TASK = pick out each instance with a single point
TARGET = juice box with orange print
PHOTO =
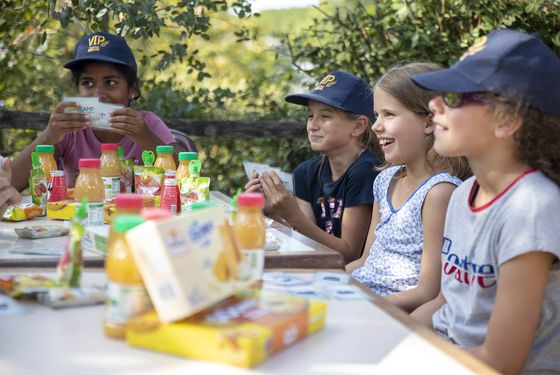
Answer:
(242, 330)
(188, 263)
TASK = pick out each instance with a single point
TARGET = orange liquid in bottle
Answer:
(165, 158)
(89, 184)
(46, 159)
(110, 169)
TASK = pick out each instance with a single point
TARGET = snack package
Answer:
(148, 179)
(25, 286)
(187, 262)
(59, 298)
(194, 188)
(242, 330)
(23, 211)
(69, 269)
(41, 231)
(127, 172)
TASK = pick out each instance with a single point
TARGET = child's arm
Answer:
(354, 222)
(517, 308)
(424, 313)
(8, 195)
(433, 220)
(59, 124)
(375, 217)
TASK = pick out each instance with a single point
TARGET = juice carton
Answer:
(188, 262)
(242, 330)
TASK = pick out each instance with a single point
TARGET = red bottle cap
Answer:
(130, 201)
(155, 214)
(109, 146)
(89, 163)
(251, 199)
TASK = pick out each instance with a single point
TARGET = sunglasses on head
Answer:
(457, 99)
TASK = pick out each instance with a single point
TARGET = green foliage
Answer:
(367, 37)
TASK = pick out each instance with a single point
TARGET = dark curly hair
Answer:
(126, 71)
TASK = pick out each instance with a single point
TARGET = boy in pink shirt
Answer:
(103, 67)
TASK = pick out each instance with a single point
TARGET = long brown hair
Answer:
(397, 83)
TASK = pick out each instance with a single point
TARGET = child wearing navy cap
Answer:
(500, 288)
(401, 257)
(103, 67)
(333, 191)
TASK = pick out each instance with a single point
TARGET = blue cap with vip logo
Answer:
(503, 62)
(340, 90)
(103, 47)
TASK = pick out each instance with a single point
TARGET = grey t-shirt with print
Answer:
(477, 241)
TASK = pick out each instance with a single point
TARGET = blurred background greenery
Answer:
(217, 59)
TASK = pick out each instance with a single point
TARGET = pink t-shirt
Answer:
(84, 144)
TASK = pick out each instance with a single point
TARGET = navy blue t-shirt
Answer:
(328, 198)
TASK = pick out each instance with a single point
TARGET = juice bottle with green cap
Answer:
(38, 184)
(126, 294)
(164, 158)
(183, 169)
(46, 158)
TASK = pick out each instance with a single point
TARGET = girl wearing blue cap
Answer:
(401, 257)
(333, 199)
(103, 67)
(500, 289)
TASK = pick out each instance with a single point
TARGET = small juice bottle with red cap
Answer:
(110, 169)
(57, 189)
(250, 234)
(90, 184)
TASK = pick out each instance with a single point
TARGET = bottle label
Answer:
(112, 186)
(95, 214)
(38, 187)
(125, 302)
(251, 265)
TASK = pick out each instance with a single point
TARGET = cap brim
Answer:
(446, 80)
(303, 99)
(73, 63)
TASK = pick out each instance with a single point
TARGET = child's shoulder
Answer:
(309, 166)
(537, 187)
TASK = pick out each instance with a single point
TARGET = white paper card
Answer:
(99, 112)
(259, 168)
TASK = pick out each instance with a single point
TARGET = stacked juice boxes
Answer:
(203, 308)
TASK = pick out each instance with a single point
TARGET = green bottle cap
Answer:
(194, 167)
(81, 211)
(202, 205)
(148, 157)
(44, 148)
(233, 201)
(35, 160)
(123, 223)
(120, 152)
(164, 149)
(188, 155)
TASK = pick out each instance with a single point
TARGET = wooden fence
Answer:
(198, 128)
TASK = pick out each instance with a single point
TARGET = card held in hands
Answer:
(99, 112)
(258, 168)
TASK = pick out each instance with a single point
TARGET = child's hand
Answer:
(254, 185)
(128, 122)
(61, 123)
(278, 199)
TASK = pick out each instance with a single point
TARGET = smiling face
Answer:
(401, 132)
(104, 80)
(328, 129)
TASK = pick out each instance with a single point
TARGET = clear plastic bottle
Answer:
(89, 184)
(38, 184)
(250, 234)
(46, 158)
(110, 169)
(126, 293)
(164, 158)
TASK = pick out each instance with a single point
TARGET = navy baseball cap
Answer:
(340, 90)
(103, 47)
(505, 61)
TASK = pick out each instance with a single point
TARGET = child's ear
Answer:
(133, 91)
(508, 127)
(360, 126)
(429, 126)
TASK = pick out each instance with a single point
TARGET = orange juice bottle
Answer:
(89, 184)
(165, 158)
(250, 233)
(110, 169)
(126, 294)
(183, 169)
(46, 158)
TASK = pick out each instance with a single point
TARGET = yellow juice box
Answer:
(242, 330)
(188, 263)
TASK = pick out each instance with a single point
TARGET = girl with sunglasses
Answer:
(500, 287)
(401, 257)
